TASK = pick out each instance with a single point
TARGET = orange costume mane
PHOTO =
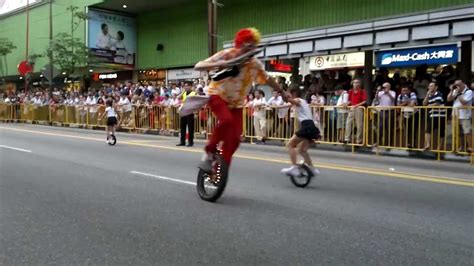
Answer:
(247, 35)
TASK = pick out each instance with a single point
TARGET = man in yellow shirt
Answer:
(227, 95)
(187, 121)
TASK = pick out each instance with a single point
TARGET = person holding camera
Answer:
(437, 116)
(462, 97)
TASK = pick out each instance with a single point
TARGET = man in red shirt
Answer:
(357, 99)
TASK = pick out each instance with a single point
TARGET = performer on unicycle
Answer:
(227, 95)
(301, 139)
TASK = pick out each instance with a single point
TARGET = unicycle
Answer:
(210, 186)
(112, 140)
(304, 178)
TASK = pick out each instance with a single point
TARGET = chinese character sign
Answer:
(432, 55)
(337, 61)
(112, 38)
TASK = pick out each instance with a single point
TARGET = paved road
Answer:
(68, 198)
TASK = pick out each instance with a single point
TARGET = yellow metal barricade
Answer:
(159, 118)
(203, 121)
(26, 112)
(332, 122)
(422, 128)
(4, 112)
(14, 111)
(275, 124)
(70, 114)
(438, 129)
(462, 131)
(173, 119)
(9, 111)
(41, 113)
(100, 112)
(81, 114)
(126, 117)
(148, 117)
(249, 128)
(58, 113)
(354, 126)
(93, 115)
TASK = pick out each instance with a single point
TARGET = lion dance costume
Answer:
(227, 96)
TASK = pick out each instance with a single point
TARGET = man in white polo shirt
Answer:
(386, 99)
(126, 109)
(462, 97)
(91, 103)
(259, 118)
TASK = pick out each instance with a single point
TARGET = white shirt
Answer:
(318, 100)
(292, 112)
(275, 101)
(91, 101)
(176, 91)
(119, 44)
(283, 111)
(259, 107)
(464, 111)
(343, 99)
(385, 100)
(110, 111)
(303, 111)
(125, 103)
(103, 41)
(174, 102)
(166, 103)
(37, 101)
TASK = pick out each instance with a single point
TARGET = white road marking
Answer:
(164, 178)
(13, 148)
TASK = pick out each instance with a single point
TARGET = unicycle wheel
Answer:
(304, 178)
(112, 140)
(210, 186)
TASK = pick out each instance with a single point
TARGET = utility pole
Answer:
(212, 26)
(27, 75)
(50, 42)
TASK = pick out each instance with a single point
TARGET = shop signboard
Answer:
(182, 74)
(121, 75)
(112, 39)
(337, 61)
(431, 55)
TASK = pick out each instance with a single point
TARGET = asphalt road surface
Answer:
(67, 198)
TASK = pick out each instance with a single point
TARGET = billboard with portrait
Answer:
(112, 38)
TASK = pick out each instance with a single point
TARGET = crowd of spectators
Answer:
(271, 116)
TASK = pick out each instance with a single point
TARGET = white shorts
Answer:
(465, 125)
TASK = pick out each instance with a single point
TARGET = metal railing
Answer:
(438, 129)
(416, 128)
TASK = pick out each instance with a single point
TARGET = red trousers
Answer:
(228, 128)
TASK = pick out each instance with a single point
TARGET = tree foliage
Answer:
(6, 46)
(68, 52)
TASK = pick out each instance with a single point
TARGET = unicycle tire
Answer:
(112, 140)
(211, 186)
(304, 178)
